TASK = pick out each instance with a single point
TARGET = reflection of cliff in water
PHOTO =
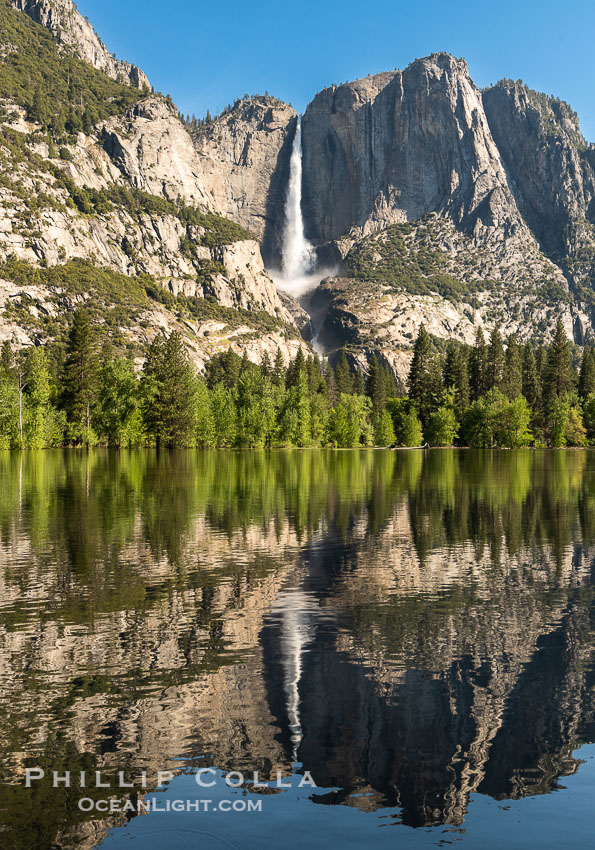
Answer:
(416, 626)
(498, 707)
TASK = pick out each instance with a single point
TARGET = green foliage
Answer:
(589, 418)
(425, 378)
(168, 393)
(85, 397)
(115, 299)
(384, 432)
(349, 422)
(442, 427)
(80, 378)
(118, 419)
(388, 258)
(217, 230)
(412, 429)
(493, 420)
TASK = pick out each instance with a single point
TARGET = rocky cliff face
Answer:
(493, 193)
(244, 157)
(74, 32)
(395, 146)
(153, 151)
(552, 170)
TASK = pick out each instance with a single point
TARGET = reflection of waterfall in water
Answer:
(298, 274)
(297, 613)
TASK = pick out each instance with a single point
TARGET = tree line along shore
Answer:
(489, 394)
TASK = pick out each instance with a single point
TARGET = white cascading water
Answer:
(298, 256)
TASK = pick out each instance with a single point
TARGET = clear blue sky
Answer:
(208, 53)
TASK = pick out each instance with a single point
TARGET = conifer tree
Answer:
(477, 367)
(296, 368)
(586, 381)
(343, 379)
(495, 361)
(559, 380)
(425, 379)
(358, 383)
(168, 390)
(278, 374)
(265, 364)
(376, 386)
(531, 382)
(6, 359)
(456, 377)
(80, 377)
(512, 381)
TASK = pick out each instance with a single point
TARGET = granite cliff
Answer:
(435, 202)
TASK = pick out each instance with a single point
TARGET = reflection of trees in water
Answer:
(434, 663)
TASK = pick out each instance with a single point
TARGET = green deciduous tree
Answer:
(384, 432)
(118, 419)
(349, 424)
(44, 426)
(442, 427)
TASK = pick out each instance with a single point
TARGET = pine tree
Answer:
(278, 374)
(512, 382)
(315, 378)
(168, 391)
(495, 361)
(477, 367)
(559, 379)
(343, 379)
(223, 368)
(359, 384)
(376, 386)
(296, 369)
(331, 384)
(80, 377)
(425, 379)
(586, 381)
(6, 359)
(531, 381)
(265, 364)
(456, 377)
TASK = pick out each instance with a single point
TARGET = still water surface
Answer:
(411, 631)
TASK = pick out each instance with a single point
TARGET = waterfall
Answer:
(298, 257)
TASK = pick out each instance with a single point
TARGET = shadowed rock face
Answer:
(395, 146)
(64, 21)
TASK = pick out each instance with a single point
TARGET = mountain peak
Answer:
(73, 31)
